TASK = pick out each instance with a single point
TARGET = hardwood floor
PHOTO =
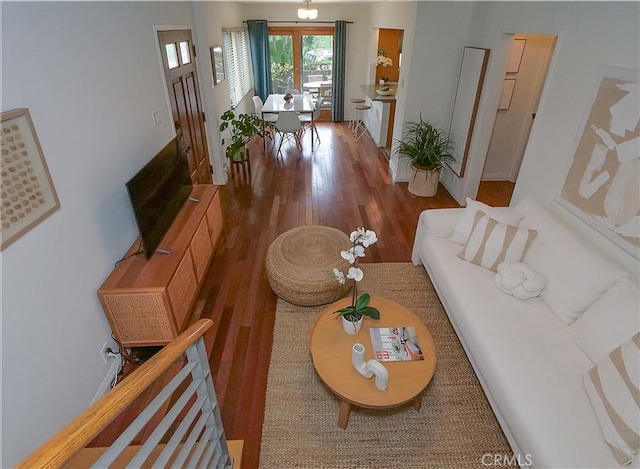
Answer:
(495, 193)
(344, 184)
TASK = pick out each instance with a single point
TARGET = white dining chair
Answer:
(288, 127)
(268, 118)
(326, 95)
(308, 122)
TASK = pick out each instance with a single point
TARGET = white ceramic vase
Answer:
(351, 327)
(370, 368)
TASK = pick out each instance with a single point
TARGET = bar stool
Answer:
(360, 114)
(354, 102)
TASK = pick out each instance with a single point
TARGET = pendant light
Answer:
(307, 13)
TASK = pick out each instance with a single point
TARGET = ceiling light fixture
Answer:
(307, 13)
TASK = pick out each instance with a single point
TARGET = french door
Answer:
(302, 58)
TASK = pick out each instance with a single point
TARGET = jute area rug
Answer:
(454, 429)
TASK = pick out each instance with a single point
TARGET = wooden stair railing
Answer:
(189, 435)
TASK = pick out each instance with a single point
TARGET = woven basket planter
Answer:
(423, 183)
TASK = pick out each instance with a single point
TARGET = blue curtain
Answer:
(339, 70)
(260, 59)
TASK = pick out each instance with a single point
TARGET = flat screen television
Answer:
(157, 193)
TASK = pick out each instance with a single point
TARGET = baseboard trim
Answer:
(497, 177)
(109, 379)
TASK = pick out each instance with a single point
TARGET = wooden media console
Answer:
(148, 301)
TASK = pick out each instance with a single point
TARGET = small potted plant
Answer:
(353, 314)
(428, 148)
(242, 128)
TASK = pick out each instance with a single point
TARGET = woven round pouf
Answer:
(300, 265)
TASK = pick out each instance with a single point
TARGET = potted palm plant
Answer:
(428, 148)
(242, 128)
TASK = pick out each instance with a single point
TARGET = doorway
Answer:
(390, 46)
(181, 76)
(524, 81)
(302, 58)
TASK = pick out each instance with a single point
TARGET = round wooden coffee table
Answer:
(331, 353)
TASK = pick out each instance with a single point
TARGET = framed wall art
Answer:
(27, 192)
(602, 186)
(506, 94)
(217, 63)
(515, 56)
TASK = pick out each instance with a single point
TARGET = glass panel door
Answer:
(302, 58)
(317, 65)
(281, 51)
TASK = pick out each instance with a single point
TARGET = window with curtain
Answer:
(236, 44)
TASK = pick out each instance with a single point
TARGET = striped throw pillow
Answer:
(492, 242)
(613, 387)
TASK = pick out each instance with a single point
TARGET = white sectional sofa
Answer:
(531, 355)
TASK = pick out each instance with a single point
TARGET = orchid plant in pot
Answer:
(353, 314)
(384, 62)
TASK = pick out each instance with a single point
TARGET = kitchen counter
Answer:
(380, 117)
(370, 91)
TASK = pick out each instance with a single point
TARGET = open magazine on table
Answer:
(394, 344)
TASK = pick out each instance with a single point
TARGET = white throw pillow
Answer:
(463, 227)
(519, 280)
(492, 242)
(612, 386)
(609, 321)
(577, 275)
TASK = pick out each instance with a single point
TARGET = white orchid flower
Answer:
(357, 235)
(348, 256)
(357, 251)
(351, 254)
(355, 274)
(369, 238)
(339, 275)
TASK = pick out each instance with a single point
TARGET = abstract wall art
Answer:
(602, 186)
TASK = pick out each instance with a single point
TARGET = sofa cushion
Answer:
(612, 387)
(492, 242)
(463, 227)
(530, 367)
(610, 321)
(577, 275)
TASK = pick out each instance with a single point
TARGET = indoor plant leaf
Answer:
(363, 301)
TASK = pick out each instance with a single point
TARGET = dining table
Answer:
(300, 103)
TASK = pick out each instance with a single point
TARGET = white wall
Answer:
(396, 16)
(90, 75)
(210, 18)
(433, 67)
